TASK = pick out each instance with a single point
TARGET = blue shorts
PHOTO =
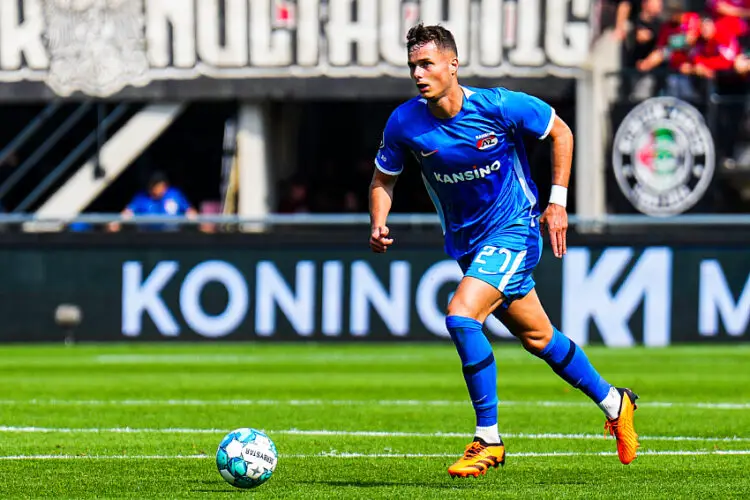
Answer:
(506, 260)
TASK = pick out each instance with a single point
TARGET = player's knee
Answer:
(458, 307)
(535, 341)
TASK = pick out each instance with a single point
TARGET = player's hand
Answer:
(379, 240)
(556, 220)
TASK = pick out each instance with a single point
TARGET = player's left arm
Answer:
(530, 115)
(555, 216)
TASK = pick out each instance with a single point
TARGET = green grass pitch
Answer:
(361, 421)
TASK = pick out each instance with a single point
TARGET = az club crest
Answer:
(487, 141)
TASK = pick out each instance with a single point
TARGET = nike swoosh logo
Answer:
(485, 272)
(425, 155)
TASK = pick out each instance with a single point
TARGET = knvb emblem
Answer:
(663, 156)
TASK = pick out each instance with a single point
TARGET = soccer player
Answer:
(469, 144)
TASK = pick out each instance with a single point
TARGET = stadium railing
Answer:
(359, 219)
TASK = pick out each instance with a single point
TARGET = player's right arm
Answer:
(388, 165)
(381, 200)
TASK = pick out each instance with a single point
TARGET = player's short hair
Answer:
(420, 35)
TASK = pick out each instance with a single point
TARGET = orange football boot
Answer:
(478, 457)
(622, 427)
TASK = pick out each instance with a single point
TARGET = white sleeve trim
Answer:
(549, 125)
(387, 172)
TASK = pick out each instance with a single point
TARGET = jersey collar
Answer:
(467, 95)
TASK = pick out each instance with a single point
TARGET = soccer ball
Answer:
(246, 458)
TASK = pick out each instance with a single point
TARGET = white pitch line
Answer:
(346, 402)
(377, 455)
(325, 432)
(319, 357)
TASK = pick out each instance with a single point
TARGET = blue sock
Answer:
(480, 371)
(569, 362)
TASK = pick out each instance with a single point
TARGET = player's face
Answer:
(433, 70)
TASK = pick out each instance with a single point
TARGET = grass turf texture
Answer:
(108, 410)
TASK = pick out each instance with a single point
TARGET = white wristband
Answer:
(558, 195)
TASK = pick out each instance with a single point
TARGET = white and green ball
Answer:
(246, 458)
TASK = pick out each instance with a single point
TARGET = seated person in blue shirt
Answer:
(159, 199)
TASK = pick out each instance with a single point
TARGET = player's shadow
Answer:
(380, 484)
(215, 490)
(211, 486)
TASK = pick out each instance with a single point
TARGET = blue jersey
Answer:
(474, 164)
(172, 203)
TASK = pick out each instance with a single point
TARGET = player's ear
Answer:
(454, 66)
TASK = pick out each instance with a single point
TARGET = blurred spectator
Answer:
(640, 43)
(356, 200)
(731, 15)
(340, 186)
(646, 28)
(159, 199)
(80, 227)
(716, 51)
(628, 12)
(639, 29)
(327, 186)
(742, 64)
(352, 203)
(674, 46)
(9, 164)
(210, 207)
(294, 197)
(364, 171)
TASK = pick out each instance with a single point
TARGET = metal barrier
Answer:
(360, 219)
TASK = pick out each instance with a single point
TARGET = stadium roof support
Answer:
(595, 93)
(253, 162)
